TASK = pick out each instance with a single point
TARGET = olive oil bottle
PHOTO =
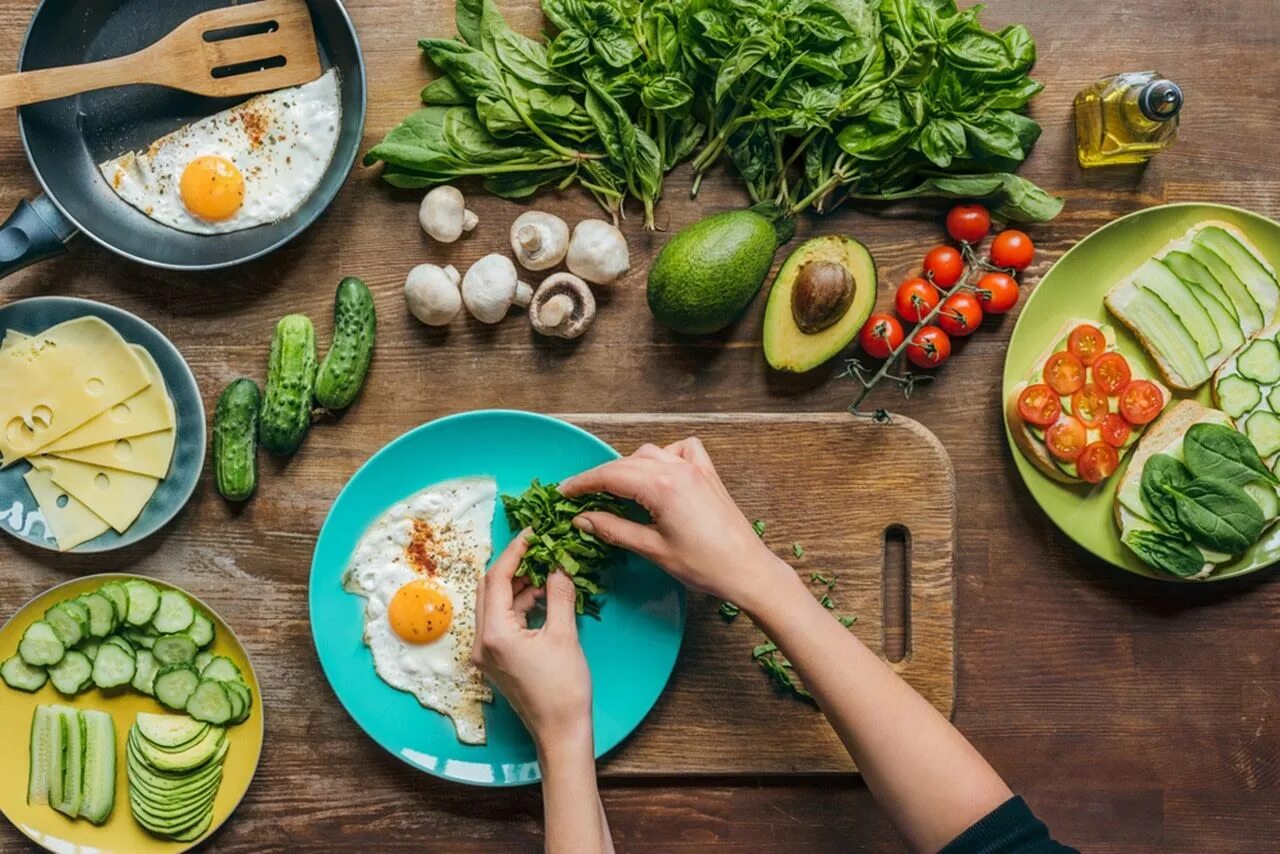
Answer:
(1126, 118)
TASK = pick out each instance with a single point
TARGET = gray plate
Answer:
(19, 515)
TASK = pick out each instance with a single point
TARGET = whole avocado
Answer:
(707, 275)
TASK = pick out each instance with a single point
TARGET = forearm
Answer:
(932, 783)
(575, 819)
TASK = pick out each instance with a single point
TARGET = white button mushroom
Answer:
(444, 214)
(562, 307)
(432, 294)
(598, 252)
(490, 288)
(539, 240)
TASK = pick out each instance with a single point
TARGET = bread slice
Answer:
(1028, 443)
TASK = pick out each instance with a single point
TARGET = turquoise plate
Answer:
(19, 514)
(631, 649)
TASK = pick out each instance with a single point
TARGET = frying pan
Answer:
(67, 138)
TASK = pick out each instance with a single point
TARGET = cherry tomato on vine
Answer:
(929, 347)
(1012, 249)
(998, 292)
(881, 335)
(1087, 343)
(943, 266)
(1039, 405)
(1111, 372)
(1140, 402)
(960, 315)
(1064, 372)
(968, 223)
(1115, 430)
(915, 299)
(1066, 438)
(1097, 462)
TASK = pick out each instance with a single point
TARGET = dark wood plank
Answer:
(1136, 716)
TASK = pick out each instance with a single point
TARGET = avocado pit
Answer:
(822, 294)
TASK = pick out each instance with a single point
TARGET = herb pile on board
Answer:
(815, 102)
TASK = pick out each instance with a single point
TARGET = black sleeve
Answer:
(1009, 828)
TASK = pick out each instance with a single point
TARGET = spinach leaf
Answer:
(1161, 475)
(1218, 451)
(1218, 515)
(444, 92)
(467, 14)
(471, 70)
(1166, 552)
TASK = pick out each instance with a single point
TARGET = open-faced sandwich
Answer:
(1197, 301)
(1196, 494)
(1082, 406)
(1247, 387)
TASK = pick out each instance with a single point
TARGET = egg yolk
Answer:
(212, 188)
(420, 612)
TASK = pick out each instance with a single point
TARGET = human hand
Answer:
(542, 672)
(698, 533)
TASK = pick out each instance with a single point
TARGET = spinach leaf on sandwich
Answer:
(1161, 475)
(1167, 552)
(1217, 451)
(1218, 515)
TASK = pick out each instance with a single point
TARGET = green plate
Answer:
(1074, 288)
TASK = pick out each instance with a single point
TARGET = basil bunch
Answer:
(815, 102)
(1200, 503)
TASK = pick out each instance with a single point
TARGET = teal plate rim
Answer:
(342, 648)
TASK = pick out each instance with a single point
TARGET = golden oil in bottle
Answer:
(1126, 118)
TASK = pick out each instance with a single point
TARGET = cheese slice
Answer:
(68, 520)
(116, 496)
(54, 382)
(13, 336)
(147, 411)
(148, 454)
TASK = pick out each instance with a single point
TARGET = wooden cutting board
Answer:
(872, 505)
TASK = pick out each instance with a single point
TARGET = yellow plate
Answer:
(121, 833)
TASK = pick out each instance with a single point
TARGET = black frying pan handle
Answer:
(36, 230)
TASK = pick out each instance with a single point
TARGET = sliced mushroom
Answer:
(491, 287)
(562, 307)
(539, 240)
(821, 295)
(598, 252)
(432, 294)
(444, 214)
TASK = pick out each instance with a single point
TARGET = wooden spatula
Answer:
(252, 47)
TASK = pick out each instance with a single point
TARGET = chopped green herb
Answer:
(779, 670)
(826, 602)
(758, 527)
(797, 550)
(556, 543)
(819, 578)
(847, 621)
(729, 611)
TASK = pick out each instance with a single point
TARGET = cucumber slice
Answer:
(113, 666)
(174, 614)
(174, 649)
(223, 669)
(119, 596)
(169, 731)
(46, 741)
(73, 674)
(120, 644)
(1260, 361)
(181, 761)
(1265, 494)
(66, 622)
(1237, 395)
(144, 675)
(22, 676)
(102, 615)
(1262, 428)
(202, 661)
(40, 645)
(210, 703)
(99, 786)
(245, 696)
(1273, 400)
(139, 640)
(66, 788)
(144, 600)
(201, 630)
(175, 684)
(90, 647)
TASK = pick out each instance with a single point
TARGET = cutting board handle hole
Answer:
(896, 620)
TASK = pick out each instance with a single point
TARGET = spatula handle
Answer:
(46, 84)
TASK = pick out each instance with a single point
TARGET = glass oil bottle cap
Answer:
(1160, 100)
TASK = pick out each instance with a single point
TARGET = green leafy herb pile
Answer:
(1202, 501)
(556, 543)
(815, 101)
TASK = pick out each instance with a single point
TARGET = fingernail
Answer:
(584, 524)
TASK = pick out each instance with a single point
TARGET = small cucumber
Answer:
(235, 440)
(344, 367)
(291, 377)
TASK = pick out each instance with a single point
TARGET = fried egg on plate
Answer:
(417, 567)
(252, 164)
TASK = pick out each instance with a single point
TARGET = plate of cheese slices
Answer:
(102, 429)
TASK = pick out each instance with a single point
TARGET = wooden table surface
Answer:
(1133, 715)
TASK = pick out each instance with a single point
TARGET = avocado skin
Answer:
(708, 273)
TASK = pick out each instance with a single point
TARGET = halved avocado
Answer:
(822, 296)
